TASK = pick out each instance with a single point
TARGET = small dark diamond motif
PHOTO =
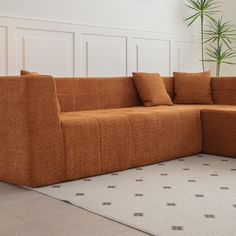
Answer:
(177, 228)
(139, 180)
(214, 174)
(161, 164)
(186, 169)
(234, 205)
(106, 203)
(191, 181)
(205, 164)
(87, 180)
(166, 187)
(224, 188)
(224, 160)
(140, 168)
(114, 174)
(138, 195)
(181, 160)
(138, 214)
(111, 186)
(210, 216)
(170, 204)
(79, 194)
(164, 174)
(56, 186)
(233, 169)
(199, 195)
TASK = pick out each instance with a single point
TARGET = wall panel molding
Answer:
(4, 50)
(70, 49)
(152, 54)
(103, 55)
(50, 52)
(186, 52)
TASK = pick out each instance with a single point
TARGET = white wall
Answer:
(228, 10)
(159, 15)
(98, 37)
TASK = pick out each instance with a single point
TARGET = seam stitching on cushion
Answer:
(73, 82)
(132, 146)
(29, 146)
(65, 149)
(110, 92)
(156, 125)
(202, 128)
(100, 142)
(221, 90)
(99, 87)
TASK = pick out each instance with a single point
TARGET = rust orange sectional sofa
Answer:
(102, 127)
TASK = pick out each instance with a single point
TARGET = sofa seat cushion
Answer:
(95, 144)
(208, 107)
(148, 109)
(117, 139)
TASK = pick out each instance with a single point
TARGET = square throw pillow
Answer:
(192, 88)
(151, 89)
(25, 72)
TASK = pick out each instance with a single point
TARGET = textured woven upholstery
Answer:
(78, 94)
(123, 138)
(102, 127)
(31, 140)
(192, 88)
(219, 132)
(224, 90)
(151, 89)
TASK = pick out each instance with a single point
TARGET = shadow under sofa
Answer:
(102, 127)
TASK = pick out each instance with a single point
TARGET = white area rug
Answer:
(192, 196)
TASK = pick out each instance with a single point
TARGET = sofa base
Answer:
(127, 138)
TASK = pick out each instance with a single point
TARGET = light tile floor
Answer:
(26, 213)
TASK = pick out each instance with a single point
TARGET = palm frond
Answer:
(218, 30)
(220, 55)
(202, 8)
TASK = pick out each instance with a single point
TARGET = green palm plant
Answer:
(219, 30)
(219, 55)
(222, 35)
(201, 9)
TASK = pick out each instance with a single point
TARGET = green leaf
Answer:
(201, 8)
(221, 32)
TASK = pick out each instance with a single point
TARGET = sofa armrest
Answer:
(31, 140)
(224, 90)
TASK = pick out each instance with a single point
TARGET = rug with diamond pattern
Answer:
(191, 196)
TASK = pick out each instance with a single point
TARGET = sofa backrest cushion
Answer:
(78, 94)
(151, 89)
(192, 88)
(84, 93)
(224, 90)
